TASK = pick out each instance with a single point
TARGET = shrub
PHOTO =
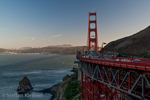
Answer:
(72, 89)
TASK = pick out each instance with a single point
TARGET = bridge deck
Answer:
(143, 66)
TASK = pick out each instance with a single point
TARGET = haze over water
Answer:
(42, 70)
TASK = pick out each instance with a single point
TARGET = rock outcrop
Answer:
(66, 77)
(24, 85)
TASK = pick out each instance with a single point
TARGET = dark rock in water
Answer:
(66, 77)
(24, 85)
(45, 90)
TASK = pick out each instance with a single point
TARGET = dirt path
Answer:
(61, 91)
(76, 97)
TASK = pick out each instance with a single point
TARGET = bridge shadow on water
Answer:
(5, 67)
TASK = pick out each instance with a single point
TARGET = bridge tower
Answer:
(92, 32)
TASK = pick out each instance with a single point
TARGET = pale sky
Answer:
(39, 23)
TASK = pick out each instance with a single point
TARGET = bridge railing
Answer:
(141, 59)
(123, 64)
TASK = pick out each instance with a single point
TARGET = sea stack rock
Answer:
(24, 85)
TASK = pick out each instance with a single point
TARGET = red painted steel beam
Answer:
(82, 83)
(93, 13)
(129, 81)
(92, 21)
(119, 78)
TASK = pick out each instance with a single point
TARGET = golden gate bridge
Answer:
(111, 78)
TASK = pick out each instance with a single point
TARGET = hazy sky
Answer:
(38, 23)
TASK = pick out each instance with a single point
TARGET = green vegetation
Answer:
(73, 88)
(121, 55)
(112, 43)
(144, 55)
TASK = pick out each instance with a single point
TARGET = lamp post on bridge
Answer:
(106, 51)
(131, 51)
(102, 49)
(77, 50)
(113, 52)
(83, 49)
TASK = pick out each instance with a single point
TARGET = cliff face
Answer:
(140, 42)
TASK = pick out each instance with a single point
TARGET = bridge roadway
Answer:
(143, 65)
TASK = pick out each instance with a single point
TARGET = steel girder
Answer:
(109, 83)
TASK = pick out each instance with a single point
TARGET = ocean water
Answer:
(43, 71)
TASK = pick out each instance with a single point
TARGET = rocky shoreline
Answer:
(54, 90)
(50, 90)
(58, 89)
(54, 93)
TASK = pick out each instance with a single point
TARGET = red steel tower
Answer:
(92, 32)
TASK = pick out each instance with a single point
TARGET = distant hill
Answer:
(25, 48)
(65, 49)
(65, 45)
(140, 42)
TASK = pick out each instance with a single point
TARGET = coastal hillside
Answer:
(140, 43)
(69, 89)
